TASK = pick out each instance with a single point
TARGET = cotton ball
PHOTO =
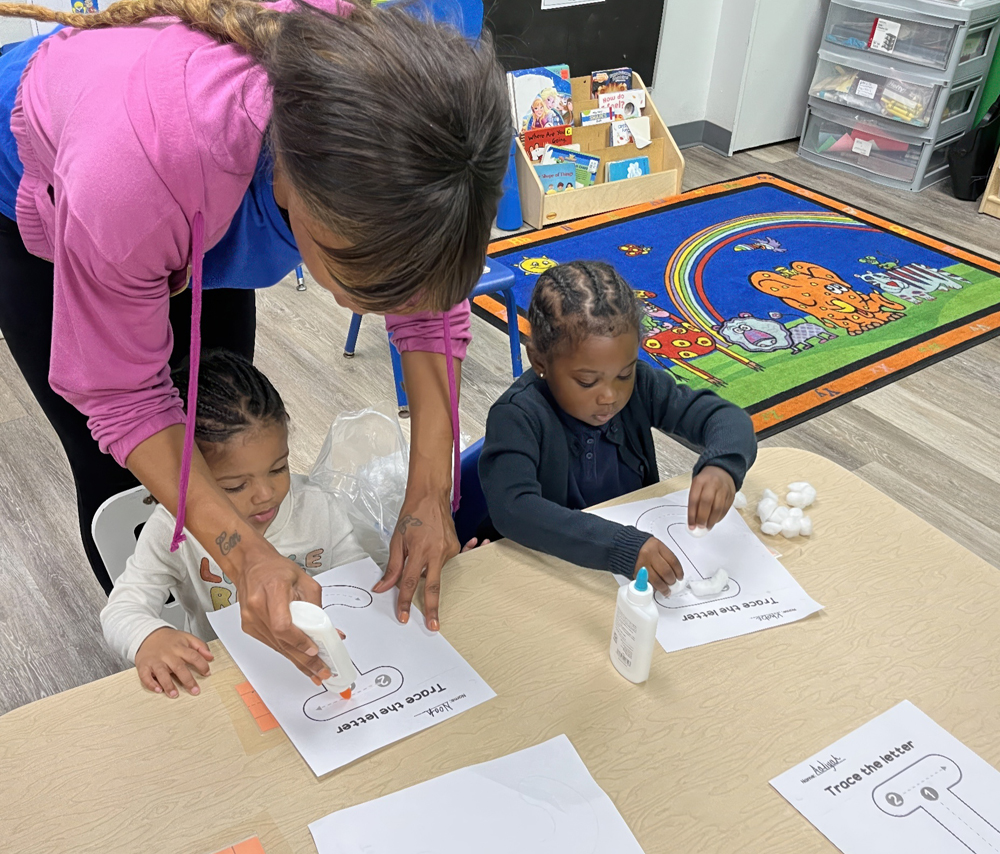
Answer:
(740, 501)
(795, 513)
(710, 586)
(806, 527)
(698, 532)
(767, 493)
(679, 586)
(798, 486)
(770, 528)
(791, 527)
(766, 507)
(780, 515)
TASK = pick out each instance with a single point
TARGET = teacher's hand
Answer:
(265, 587)
(424, 540)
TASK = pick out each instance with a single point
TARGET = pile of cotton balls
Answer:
(787, 521)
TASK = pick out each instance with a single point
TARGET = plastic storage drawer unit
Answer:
(857, 142)
(882, 90)
(904, 34)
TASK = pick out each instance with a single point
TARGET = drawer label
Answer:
(866, 89)
(884, 35)
(862, 146)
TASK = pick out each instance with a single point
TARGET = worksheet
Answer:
(410, 678)
(899, 783)
(541, 800)
(761, 593)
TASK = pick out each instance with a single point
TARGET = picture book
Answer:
(541, 97)
(632, 130)
(557, 177)
(634, 167)
(623, 105)
(596, 116)
(612, 80)
(535, 140)
(586, 165)
(554, 151)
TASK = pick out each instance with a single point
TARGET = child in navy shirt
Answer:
(576, 430)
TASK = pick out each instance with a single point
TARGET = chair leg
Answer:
(352, 337)
(397, 376)
(300, 279)
(513, 332)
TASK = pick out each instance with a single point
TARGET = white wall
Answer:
(685, 59)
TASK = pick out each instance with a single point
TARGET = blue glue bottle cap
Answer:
(642, 580)
(640, 591)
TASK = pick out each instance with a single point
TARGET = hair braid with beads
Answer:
(578, 300)
(233, 397)
(393, 130)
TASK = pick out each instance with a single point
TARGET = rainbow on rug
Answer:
(782, 300)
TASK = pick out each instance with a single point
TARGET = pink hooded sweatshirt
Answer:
(138, 145)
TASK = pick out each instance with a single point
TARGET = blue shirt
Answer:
(597, 471)
(257, 250)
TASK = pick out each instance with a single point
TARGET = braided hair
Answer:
(393, 130)
(233, 397)
(579, 300)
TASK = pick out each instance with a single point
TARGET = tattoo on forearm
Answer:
(408, 521)
(227, 542)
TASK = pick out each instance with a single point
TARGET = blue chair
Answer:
(496, 278)
(472, 511)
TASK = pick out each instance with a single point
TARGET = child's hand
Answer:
(168, 654)
(711, 496)
(473, 543)
(661, 563)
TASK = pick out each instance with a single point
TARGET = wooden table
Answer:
(686, 757)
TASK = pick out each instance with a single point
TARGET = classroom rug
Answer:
(783, 300)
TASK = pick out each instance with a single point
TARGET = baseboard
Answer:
(710, 135)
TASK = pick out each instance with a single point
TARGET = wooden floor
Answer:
(930, 441)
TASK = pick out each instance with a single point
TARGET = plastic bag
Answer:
(364, 460)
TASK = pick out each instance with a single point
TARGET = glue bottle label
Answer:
(623, 638)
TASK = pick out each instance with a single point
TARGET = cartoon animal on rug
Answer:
(872, 261)
(536, 266)
(914, 282)
(758, 335)
(633, 250)
(814, 290)
(768, 243)
(667, 338)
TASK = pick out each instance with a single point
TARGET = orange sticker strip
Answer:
(247, 846)
(265, 722)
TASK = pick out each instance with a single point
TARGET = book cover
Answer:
(596, 116)
(623, 105)
(548, 157)
(611, 80)
(557, 177)
(541, 97)
(586, 165)
(536, 139)
(631, 130)
(634, 167)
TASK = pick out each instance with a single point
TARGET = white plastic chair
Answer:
(114, 532)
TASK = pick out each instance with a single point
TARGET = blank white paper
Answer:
(761, 593)
(410, 678)
(541, 800)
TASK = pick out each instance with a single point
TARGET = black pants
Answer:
(228, 321)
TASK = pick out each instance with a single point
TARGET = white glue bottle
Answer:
(634, 632)
(314, 622)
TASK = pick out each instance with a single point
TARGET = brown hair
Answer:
(578, 300)
(392, 129)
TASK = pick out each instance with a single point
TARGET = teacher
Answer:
(220, 143)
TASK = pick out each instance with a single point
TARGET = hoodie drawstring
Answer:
(197, 251)
(453, 396)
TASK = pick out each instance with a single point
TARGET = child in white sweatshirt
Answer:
(242, 431)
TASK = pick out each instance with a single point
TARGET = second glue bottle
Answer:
(634, 632)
